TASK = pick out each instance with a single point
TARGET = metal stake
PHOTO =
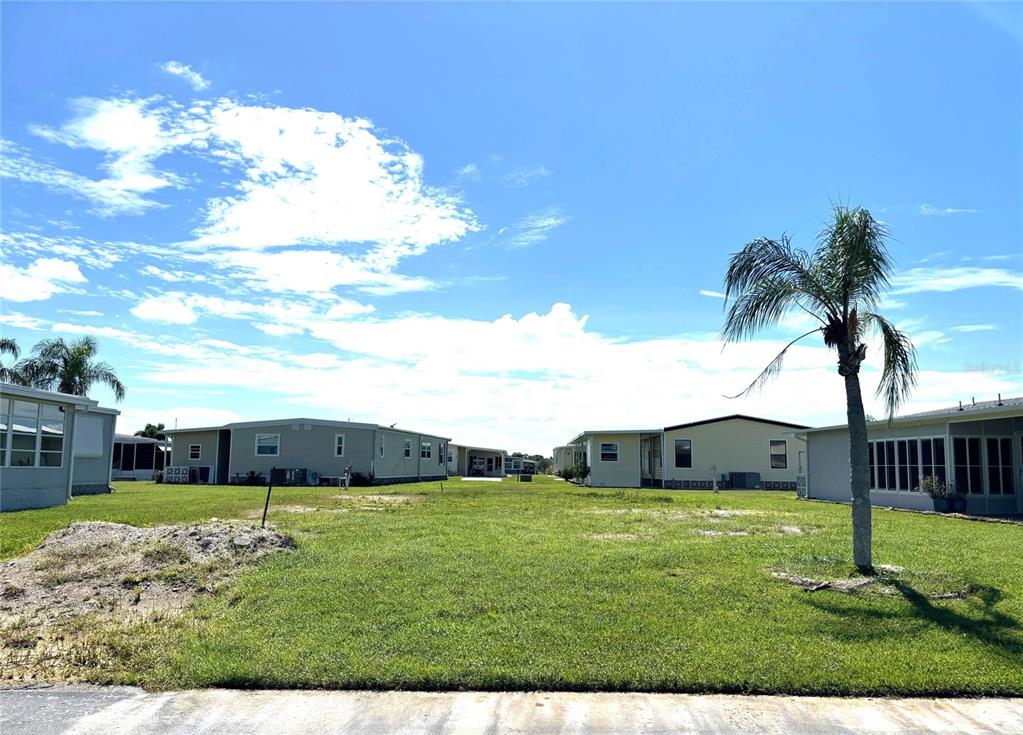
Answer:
(269, 487)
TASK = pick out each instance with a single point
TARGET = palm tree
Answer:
(10, 374)
(839, 285)
(152, 431)
(69, 368)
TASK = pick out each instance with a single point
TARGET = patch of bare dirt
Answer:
(386, 499)
(612, 536)
(95, 575)
(258, 512)
(714, 534)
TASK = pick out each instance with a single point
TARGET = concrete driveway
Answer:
(116, 710)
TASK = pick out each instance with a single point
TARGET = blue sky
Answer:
(502, 222)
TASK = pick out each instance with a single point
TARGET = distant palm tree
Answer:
(69, 368)
(10, 374)
(153, 431)
(840, 285)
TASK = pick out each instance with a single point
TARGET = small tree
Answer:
(10, 374)
(840, 286)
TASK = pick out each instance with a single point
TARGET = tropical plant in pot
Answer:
(938, 490)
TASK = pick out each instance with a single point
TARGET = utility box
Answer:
(525, 478)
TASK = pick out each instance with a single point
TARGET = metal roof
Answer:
(974, 410)
(736, 416)
(319, 422)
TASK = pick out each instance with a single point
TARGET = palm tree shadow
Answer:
(1002, 633)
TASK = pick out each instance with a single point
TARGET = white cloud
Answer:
(23, 321)
(107, 196)
(274, 317)
(931, 210)
(39, 280)
(711, 294)
(920, 280)
(525, 175)
(81, 312)
(975, 328)
(187, 73)
(469, 171)
(317, 177)
(535, 227)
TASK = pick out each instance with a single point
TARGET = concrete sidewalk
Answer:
(116, 710)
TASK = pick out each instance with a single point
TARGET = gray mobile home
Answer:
(975, 449)
(53, 446)
(308, 451)
(138, 457)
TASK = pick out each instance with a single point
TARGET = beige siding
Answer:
(207, 441)
(624, 472)
(736, 445)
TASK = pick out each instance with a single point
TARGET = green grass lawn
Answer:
(551, 586)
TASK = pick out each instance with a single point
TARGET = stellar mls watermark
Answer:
(1005, 366)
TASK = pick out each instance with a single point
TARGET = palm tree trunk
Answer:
(859, 474)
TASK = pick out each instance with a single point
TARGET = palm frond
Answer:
(760, 306)
(898, 377)
(857, 263)
(774, 367)
(9, 346)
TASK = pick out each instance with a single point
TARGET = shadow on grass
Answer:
(1002, 633)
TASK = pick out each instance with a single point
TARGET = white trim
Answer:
(407, 449)
(428, 446)
(381, 445)
(616, 452)
(344, 442)
(255, 445)
(674, 453)
(872, 460)
(190, 457)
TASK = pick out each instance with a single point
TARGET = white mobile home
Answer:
(477, 461)
(727, 452)
(307, 452)
(974, 449)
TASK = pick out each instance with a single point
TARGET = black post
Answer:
(269, 487)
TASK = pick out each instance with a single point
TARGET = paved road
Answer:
(116, 710)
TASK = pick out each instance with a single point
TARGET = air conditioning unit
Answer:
(745, 480)
(288, 476)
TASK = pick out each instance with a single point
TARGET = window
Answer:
(451, 458)
(268, 445)
(145, 456)
(194, 451)
(440, 453)
(380, 446)
(608, 452)
(408, 449)
(339, 445)
(425, 450)
(873, 466)
(779, 455)
(914, 465)
(51, 439)
(889, 451)
(5, 406)
(999, 466)
(24, 432)
(684, 453)
(128, 458)
(116, 461)
(966, 465)
(903, 457)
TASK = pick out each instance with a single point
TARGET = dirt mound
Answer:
(94, 574)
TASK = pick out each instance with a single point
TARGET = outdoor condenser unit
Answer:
(745, 480)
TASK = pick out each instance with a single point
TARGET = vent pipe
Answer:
(1000, 399)
(960, 405)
